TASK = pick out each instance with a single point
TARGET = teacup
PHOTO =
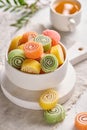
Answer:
(37, 81)
(65, 14)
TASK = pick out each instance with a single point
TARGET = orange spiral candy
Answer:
(27, 37)
(81, 121)
(33, 50)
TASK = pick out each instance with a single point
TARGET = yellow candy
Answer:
(31, 66)
(48, 99)
(21, 47)
(14, 43)
(58, 52)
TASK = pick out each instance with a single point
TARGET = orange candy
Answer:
(27, 37)
(53, 35)
(33, 50)
(81, 121)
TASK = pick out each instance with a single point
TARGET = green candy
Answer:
(55, 115)
(45, 41)
(49, 63)
(16, 58)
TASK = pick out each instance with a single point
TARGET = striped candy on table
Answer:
(55, 115)
(81, 121)
(48, 99)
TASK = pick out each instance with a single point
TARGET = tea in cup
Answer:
(65, 14)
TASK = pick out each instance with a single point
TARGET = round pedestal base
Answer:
(29, 99)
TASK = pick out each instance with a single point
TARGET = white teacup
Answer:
(65, 22)
(34, 81)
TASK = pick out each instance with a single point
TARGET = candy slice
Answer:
(45, 41)
(14, 43)
(16, 58)
(31, 66)
(49, 63)
(27, 37)
(58, 52)
(55, 115)
(48, 99)
(81, 121)
(33, 50)
(55, 36)
(21, 47)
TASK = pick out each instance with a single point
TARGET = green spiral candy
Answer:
(49, 63)
(45, 41)
(16, 58)
(55, 115)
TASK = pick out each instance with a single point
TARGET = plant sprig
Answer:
(22, 8)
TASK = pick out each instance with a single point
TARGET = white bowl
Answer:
(37, 81)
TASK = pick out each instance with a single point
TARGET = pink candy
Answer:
(55, 36)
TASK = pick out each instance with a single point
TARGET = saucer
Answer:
(29, 99)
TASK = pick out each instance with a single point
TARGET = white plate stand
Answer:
(29, 99)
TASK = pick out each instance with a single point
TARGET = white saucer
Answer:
(29, 99)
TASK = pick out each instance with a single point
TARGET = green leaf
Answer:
(24, 11)
(8, 2)
(2, 2)
(7, 8)
(13, 9)
(1, 6)
(22, 2)
(15, 2)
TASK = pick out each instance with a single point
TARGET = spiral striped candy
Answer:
(54, 35)
(27, 37)
(55, 115)
(33, 50)
(16, 58)
(49, 63)
(31, 66)
(48, 99)
(58, 52)
(81, 121)
(45, 41)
